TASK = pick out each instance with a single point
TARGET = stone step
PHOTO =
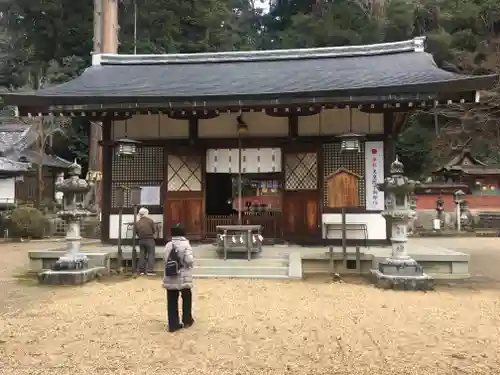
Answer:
(263, 277)
(248, 271)
(259, 262)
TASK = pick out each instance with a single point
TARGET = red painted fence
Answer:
(476, 202)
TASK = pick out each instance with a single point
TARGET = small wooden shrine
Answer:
(465, 169)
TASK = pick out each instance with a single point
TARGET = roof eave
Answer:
(423, 91)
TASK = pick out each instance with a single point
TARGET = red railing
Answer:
(270, 222)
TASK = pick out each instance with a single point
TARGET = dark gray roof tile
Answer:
(389, 69)
(11, 166)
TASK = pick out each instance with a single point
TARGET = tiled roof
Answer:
(338, 72)
(11, 166)
(16, 139)
(32, 156)
(15, 134)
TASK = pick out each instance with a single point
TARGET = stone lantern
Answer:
(72, 267)
(400, 271)
(73, 188)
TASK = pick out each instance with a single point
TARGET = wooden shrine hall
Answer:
(284, 139)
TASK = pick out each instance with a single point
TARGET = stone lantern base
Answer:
(401, 274)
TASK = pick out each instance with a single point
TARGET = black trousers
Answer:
(173, 307)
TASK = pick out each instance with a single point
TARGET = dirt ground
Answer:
(252, 327)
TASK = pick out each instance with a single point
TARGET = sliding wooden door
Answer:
(184, 196)
(300, 197)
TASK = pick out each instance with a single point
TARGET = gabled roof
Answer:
(343, 171)
(388, 69)
(16, 139)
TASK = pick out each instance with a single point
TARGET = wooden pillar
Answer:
(107, 163)
(389, 156)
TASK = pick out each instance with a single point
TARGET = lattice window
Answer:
(146, 165)
(184, 173)
(301, 171)
(145, 168)
(352, 161)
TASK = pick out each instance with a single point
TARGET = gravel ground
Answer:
(255, 327)
(252, 326)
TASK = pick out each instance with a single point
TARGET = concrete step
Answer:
(251, 271)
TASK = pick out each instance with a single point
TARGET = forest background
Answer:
(46, 42)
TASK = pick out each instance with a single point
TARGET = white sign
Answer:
(374, 174)
(253, 160)
(150, 195)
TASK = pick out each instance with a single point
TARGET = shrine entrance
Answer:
(184, 196)
(252, 197)
(300, 196)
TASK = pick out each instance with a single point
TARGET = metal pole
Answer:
(120, 251)
(134, 251)
(135, 27)
(344, 236)
(459, 228)
(240, 203)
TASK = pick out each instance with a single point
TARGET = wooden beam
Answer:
(389, 156)
(193, 129)
(107, 163)
(293, 126)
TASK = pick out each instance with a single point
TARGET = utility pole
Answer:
(109, 26)
(105, 41)
(95, 165)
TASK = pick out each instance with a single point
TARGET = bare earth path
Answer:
(254, 327)
(484, 254)
(16, 292)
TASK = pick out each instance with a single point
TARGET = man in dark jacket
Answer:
(145, 230)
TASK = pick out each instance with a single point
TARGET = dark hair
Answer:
(177, 230)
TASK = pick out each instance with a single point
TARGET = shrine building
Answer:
(310, 130)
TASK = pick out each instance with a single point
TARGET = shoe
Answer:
(142, 273)
(151, 274)
(187, 325)
(175, 329)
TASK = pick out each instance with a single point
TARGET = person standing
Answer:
(178, 279)
(145, 230)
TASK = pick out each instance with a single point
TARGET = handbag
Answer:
(172, 265)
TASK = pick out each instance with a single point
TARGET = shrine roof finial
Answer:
(397, 167)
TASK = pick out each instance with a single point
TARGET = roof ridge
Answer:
(412, 45)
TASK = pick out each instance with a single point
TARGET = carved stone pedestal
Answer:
(405, 275)
(399, 271)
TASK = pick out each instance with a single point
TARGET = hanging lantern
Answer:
(126, 147)
(351, 142)
(242, 126)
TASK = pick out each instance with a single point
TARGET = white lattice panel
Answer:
(301, 171)
(184, 173)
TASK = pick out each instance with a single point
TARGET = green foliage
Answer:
(414, 147)
(28, 222)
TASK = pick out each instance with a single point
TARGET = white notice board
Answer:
(150, 195)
